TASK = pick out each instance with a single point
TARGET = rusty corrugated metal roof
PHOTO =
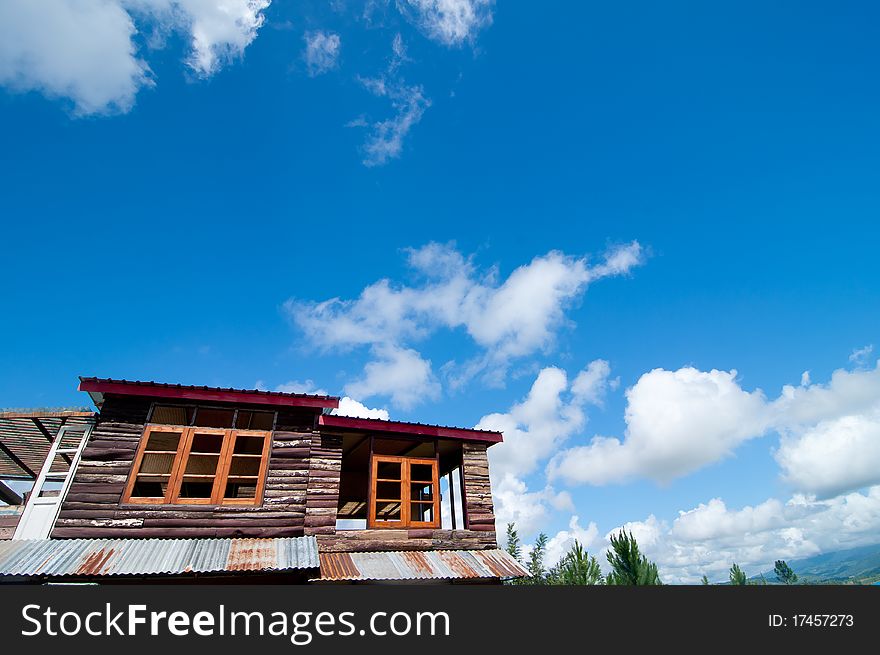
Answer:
(420, 565)
(102, 557)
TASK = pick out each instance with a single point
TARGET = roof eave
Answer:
(97, 389)
(407, 429)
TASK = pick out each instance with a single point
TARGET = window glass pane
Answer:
(388, 490)
(422, 512)
(248, 420)
(423, 492)
(196, 487)
(150, 486)
(421, 472)
(172, 415)
(245, 445)
(167, 441)
(388, 471)
(245, 466)
(238, 488)
(206, 443)
(157, 462)
(210, 417)
(388, 511)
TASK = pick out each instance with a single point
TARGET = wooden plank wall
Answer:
(322, 498)
(8, 523)
(477, 491)
(92, 508)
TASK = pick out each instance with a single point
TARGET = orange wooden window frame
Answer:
(406, 482)
(178, 467)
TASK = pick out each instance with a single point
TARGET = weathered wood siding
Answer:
(416, 539)
(92, 508)
(477, 491)
(8, 522)
(322, 497)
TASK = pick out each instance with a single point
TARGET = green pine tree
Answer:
(513, 545)
(628, 565)
(705, 580)
(576, 567)
(784, 573)
(537, 573)
(737, 575)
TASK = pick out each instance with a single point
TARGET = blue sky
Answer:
(184, 183)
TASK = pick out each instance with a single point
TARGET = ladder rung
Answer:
(66, 451)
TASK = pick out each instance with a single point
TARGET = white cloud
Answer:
(84, 50)
(711, 537)
(677, 422)
(514, 503)
(399, 373)
(834, 456)
(451, 22)
(511, 319)
(322, 52)
(560, 543)
(861, 356)
(592, 383)
(533, 430)
(680, 421)
(218, 30)
(408, 102)
(347, 406)
(351, 407)
(77, 50)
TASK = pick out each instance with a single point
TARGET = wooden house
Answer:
(177, 482)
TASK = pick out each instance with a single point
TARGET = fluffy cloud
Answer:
(833, 456)
(84, 51)
(451, 22)
(709, 538)
(511, 319)
(399, 373)
(351, 407)
(533, 430)
(560, 543)
(322, 52)
(679, 421)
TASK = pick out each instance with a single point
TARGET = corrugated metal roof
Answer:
(420, 565)
(200, 387)
(100, 557)
(406, 427)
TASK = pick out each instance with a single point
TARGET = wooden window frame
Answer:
(178, 467)
(406, 482)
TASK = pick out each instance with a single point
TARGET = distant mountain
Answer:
(854, 566)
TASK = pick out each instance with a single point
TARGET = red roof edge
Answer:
(398, 427)
(215, 394)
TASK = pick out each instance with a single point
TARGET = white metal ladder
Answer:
(40, 512)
